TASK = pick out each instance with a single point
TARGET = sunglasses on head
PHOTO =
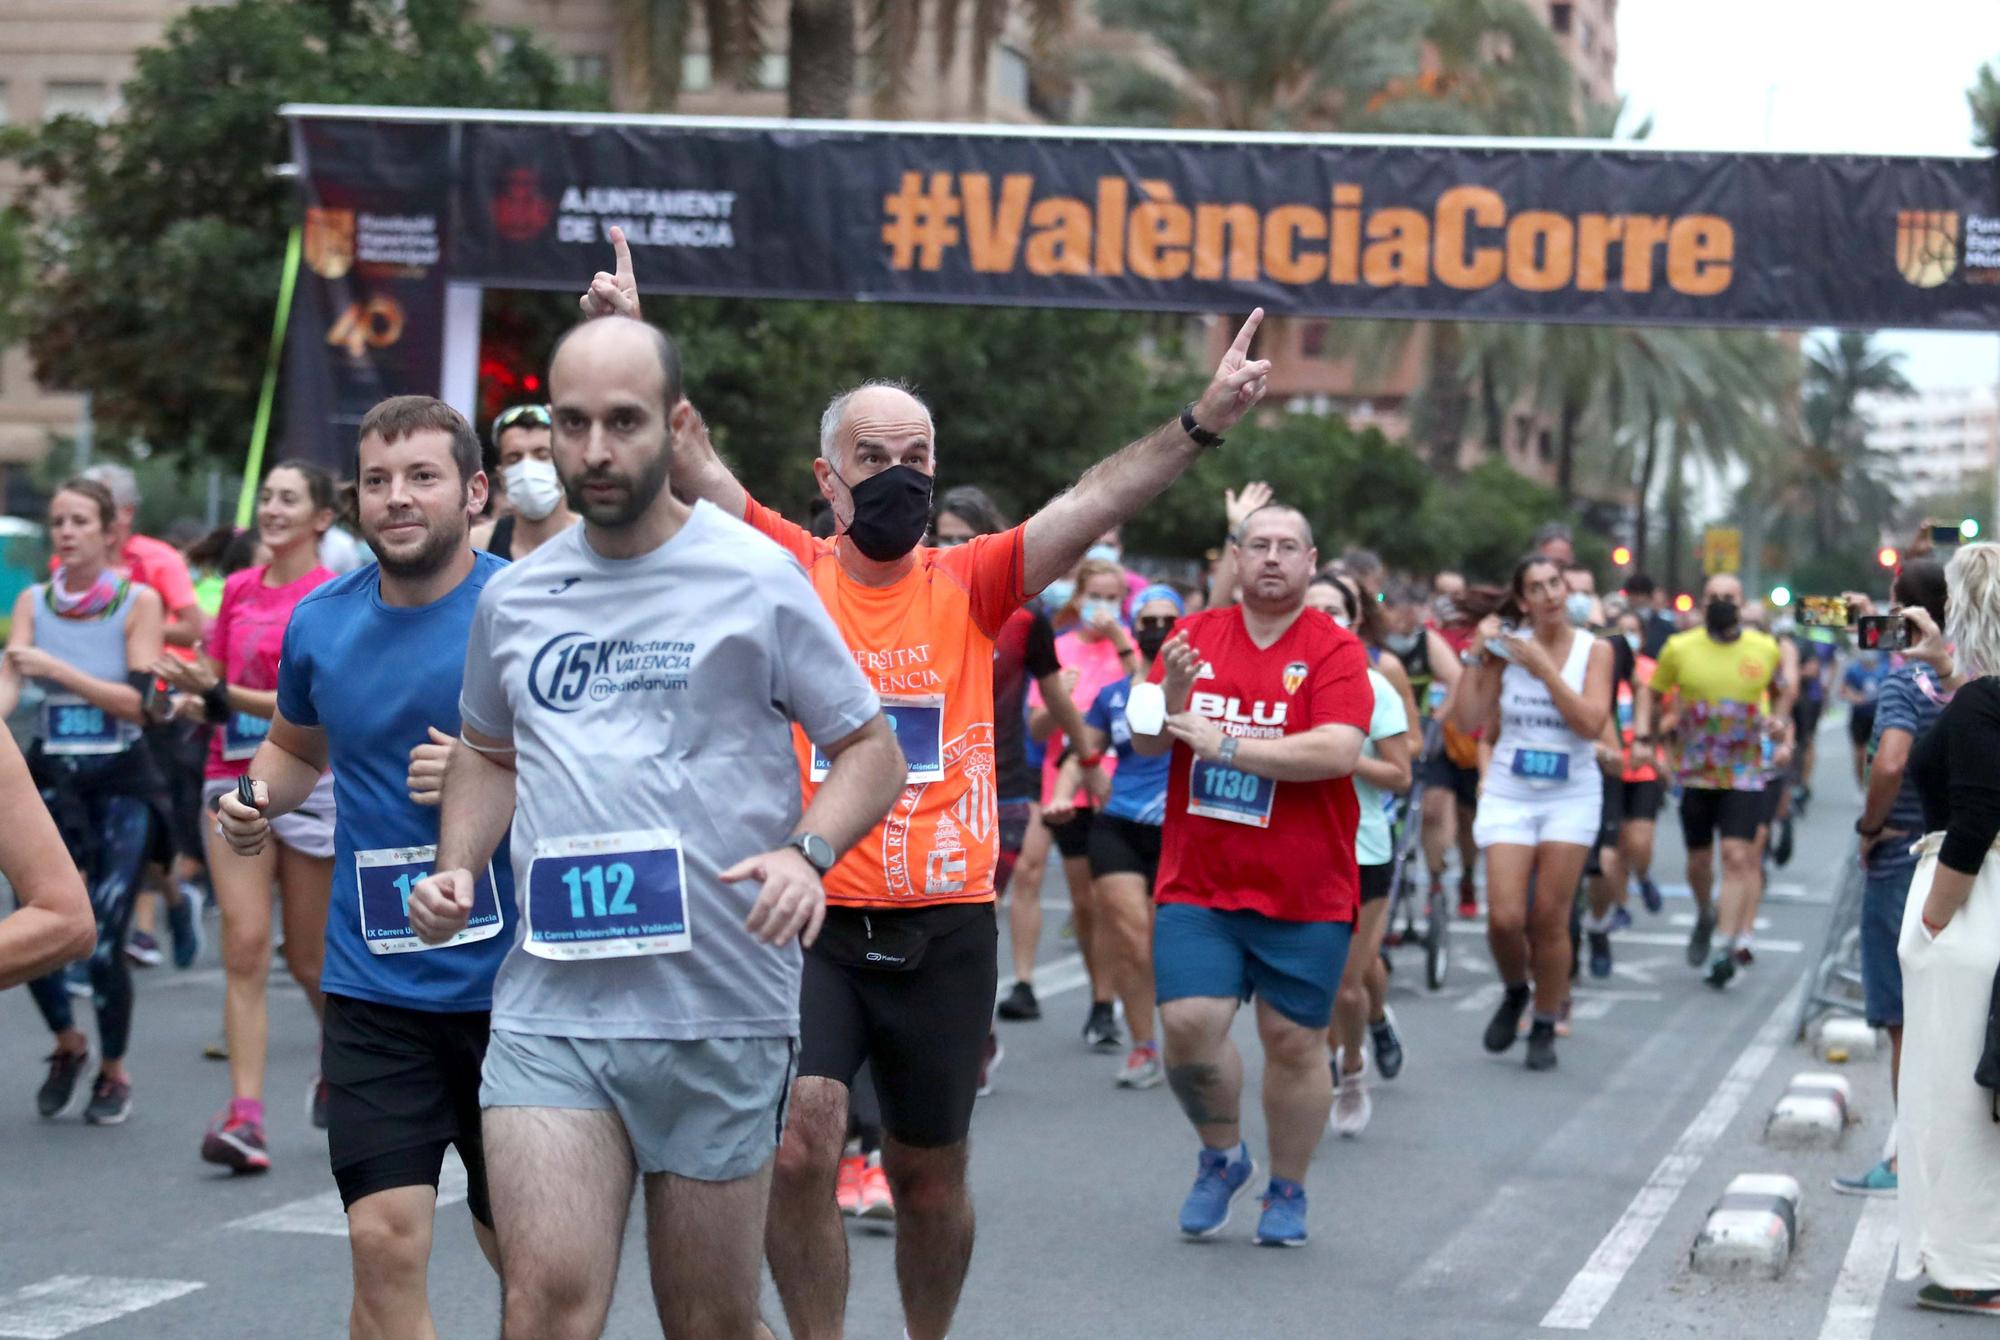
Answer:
(1157, 621)
(532, 416)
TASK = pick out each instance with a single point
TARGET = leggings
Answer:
(112, 856)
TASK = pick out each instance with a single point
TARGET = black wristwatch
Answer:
(1869, 832)
(819, 853)
(1202, 437)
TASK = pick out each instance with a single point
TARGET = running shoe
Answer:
(236, 1144)
(316, 1103)
(110, 1101)
(1506, 1022)
(1468, 899)
(63, 1092)
(1142, 1068)
(1220, 1179)
(1940, 1299)
(184, 925)
(1720, 971)
(217, 1050)
(1284, 1221)
(1702, 935)
(1781, 844)
(1020, 1004)
(847, 1185)
(1649, 894)
(1744, 958)
(878, 1206)
(1621, 920)
(144, 950)
(1879, 1180)
(1542, 1045)
(1600, 953)
(1100, 1028)
(1387, 1043)
(989, 1061)
(1352, 1106)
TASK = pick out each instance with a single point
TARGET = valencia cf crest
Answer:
(1295, 675)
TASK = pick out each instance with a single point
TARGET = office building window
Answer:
(78, 97)
(589, 69)
(773, 71)
(1559, 16)
(697, 76)
(1312, 339)
(1010, 78)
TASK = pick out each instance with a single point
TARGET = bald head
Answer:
(1289, 520)
(1723, 586)
(882, 418)
(639, 356)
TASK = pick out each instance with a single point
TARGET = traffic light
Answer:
(1683, 602)
(1621, 556)
(1969, 529)
(1886, 556)
(1781, 596)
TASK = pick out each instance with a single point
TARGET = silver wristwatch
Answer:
(1227, 754)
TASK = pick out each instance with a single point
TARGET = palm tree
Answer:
(655, 33)
(1836, 477)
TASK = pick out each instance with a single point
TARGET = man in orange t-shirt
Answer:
(903, 973)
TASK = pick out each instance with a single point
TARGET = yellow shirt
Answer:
(1723, 688)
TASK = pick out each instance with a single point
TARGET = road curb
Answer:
(1813, 1113)
(1751, 1230)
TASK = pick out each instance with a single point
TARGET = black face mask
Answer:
(1722, 619)
(892, 510)
(1150, 640)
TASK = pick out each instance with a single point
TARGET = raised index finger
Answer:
(1241, 347)
(624, 254)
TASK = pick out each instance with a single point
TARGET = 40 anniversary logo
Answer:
(574, 668)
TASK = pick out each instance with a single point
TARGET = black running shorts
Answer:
(1643, 799)
(1375, 881)
(402, 1084)
(921, 1027)
(1073, 838)
(1705, 809)
(1124, 847)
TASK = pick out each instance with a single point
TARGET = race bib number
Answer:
(918, 721)
(1218, 791)
(383, 881)
(1547, 766)
(242, 733)
(615, 895)
(72, 726)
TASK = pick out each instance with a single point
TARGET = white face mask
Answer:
(533, 487)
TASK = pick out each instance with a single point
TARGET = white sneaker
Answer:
(1352, 1107)
(1142, 1069)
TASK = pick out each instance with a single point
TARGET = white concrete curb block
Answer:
(1751, 1229)
(1813, 1113)
(1843, 1033)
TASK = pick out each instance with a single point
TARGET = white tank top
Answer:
(1537, 751)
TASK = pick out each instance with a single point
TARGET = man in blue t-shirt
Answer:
(369, 684)
(1860, 688)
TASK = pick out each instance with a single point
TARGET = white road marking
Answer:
(1587, 1002)
(65, 1304)
(1857, 1291)
(1593, 1286)
(1659, 939)
(324, 1216)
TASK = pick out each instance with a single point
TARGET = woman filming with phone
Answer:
(1541, 689)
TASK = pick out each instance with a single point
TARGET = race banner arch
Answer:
(411, 213)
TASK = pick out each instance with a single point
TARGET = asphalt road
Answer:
(1483, 1201)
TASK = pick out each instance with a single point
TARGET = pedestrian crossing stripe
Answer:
(324, 1216)
(62, 1305)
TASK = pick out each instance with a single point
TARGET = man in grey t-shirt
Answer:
(629, 695)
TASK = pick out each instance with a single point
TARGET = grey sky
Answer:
(1837, 76)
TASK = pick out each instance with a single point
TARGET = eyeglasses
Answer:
(533, 416)
(1156, 621)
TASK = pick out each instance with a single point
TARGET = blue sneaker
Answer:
(1879, 1180)
(184, 925)
(1649, 894)
(1621, 920)
(1284, 1221)
(1220, 1179)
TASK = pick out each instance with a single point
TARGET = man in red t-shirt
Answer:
(1268, 704)
(903, 973)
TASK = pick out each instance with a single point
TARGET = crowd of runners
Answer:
(643, 831)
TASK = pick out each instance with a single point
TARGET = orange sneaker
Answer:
(878, 1207)
(847, 1191)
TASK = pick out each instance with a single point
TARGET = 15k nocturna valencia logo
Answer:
(572, 669)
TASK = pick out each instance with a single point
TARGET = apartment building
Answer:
(1935, 441)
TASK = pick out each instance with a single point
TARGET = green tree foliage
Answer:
(158, 238)
(1983, 100)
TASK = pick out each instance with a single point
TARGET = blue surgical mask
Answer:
(1578, 608)
(1632, 641)
(1057, 594)
(1103, 553)
(1091, 609)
